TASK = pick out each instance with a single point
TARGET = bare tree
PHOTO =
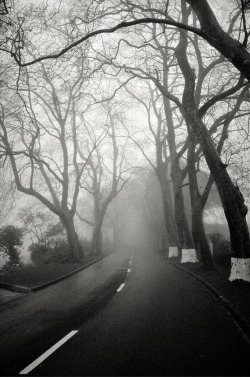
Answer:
(108, 174)
(161, 164)
(210, 29)
(46, 147)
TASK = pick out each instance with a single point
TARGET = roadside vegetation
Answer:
(48, 260)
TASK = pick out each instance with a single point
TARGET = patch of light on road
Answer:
(46, 354)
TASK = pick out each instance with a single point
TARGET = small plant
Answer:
(10, 238)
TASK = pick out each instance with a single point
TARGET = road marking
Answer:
(129, 270)
(46, 354)
(120, 288)
(130, 262)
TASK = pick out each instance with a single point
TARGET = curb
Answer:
(237, 317)
(23, 289)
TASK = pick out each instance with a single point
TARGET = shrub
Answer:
(59, 252)
(11, 237)
(39, 253)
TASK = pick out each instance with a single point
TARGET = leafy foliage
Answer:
(59, 252)
(39, 253)
(55, 232)
(10, 238)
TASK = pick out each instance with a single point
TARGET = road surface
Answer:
(153, 320)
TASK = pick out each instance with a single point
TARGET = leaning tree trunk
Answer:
(74, 248)
(197, 207)
(231, 198)
(232, 201)
(234, 208)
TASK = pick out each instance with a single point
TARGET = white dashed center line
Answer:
(129, 270)
(120, 288)
(46, 354)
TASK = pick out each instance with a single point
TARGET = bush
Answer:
(39, 253)
(11, 237)
(221, 249)
(59, 252)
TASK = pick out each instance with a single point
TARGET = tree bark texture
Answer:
(75, 252)
(231, 198)
(185, 237)
(96, 246)
(171, 228)
(184, 232)
(213, 33)
(197, 207)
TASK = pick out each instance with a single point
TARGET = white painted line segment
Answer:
(120, 288)
(46, 354)
(129, 270)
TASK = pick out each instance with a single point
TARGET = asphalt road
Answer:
(161, 322)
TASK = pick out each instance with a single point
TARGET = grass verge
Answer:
(34, 275)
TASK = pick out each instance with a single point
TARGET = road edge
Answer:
(23, 289)
(237, 317)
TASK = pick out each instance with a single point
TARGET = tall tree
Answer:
(160, 163)
(108, 172)
(43, 144)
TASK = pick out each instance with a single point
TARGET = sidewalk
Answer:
(235, 296)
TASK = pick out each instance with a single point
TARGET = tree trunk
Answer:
(184, 232)
(200, 238)
(171, 228)
(96, 247)
(229, 47)
(232, 200)
(74, 248)
(197, 207)
(185, 237)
